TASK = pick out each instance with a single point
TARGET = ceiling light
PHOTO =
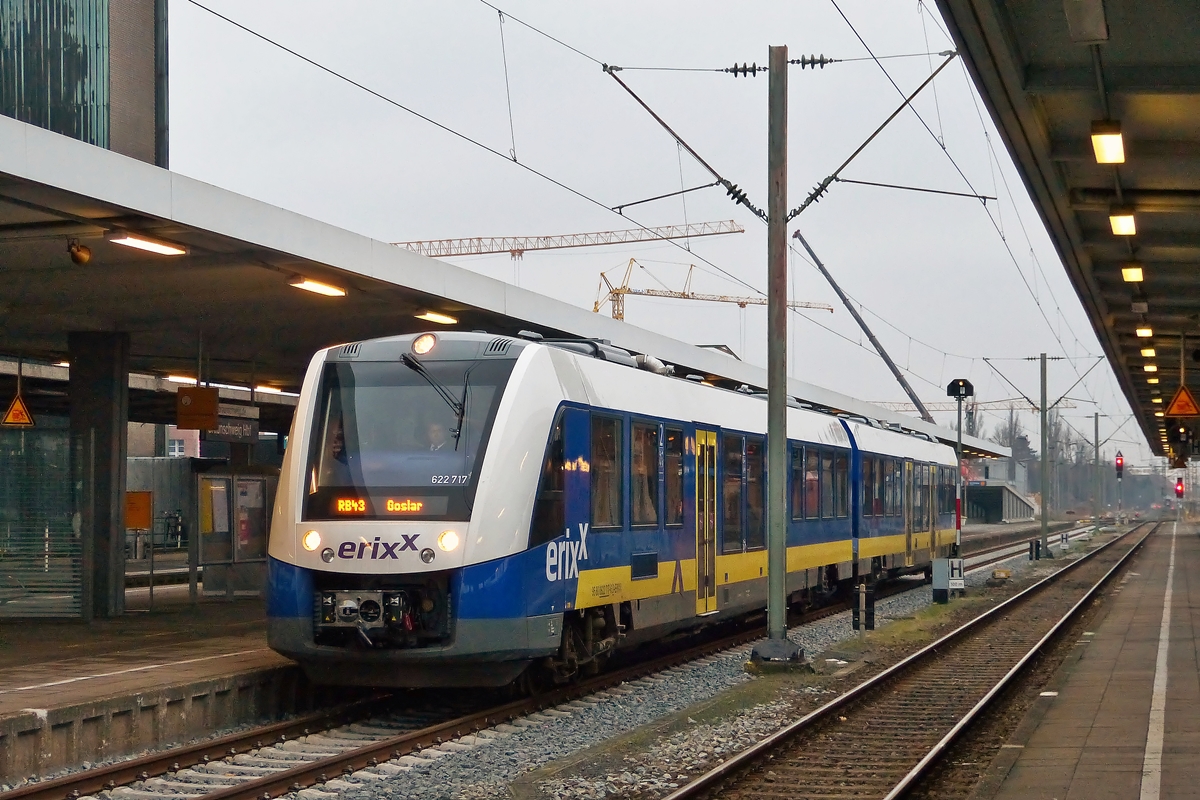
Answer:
(1158, 413)
(1122, 221)
(1155, 399)
(1107, 142)
(181, 379)
(316, 287)
(1145, 333)
(62, 363)
(440, 319)
(149, 245)
(1148, 352)
(268, 390)
(1150, 367)
(1132, 273)
(1152, 381)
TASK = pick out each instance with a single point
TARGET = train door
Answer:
(906, 503)
(706, 521)
(931, 502)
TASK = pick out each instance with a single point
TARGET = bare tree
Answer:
(1009, 431)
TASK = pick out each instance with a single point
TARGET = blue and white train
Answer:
(463, 509)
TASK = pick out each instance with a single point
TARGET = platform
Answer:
(1123, 724)
(72, 691)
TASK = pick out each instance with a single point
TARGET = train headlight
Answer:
(327, 555)
(448, 540)
(424, 343)
(311, 541)
(427, 555)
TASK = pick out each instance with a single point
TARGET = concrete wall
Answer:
(172, 482)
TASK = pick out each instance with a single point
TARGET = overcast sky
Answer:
(932, 273)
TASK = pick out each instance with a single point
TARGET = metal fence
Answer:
(41, 552)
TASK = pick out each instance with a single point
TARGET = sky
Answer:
(944, 281)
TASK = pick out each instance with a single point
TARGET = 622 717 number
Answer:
(451, 479)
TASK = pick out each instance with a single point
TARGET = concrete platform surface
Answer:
(1124, 722)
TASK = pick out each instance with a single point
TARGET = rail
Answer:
(756, 753)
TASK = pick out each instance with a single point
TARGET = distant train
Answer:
(463, 509)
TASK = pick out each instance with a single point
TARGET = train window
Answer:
(731, 528)
(643, 475)
(947, 489)
(382, 431)
(756, 531)
(920, 496)
(906, 485)
(881, 483)
(673, 463)
(841, 485)
(812, 483)
(826, 485)
(548, 508)
(606, 472)
(868, 484)
(889, 478)
(797, 482)
(898, 487)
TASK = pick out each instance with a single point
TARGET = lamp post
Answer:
(960, 390)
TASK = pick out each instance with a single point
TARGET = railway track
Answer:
(364, 739)
(321, 748)
(878, 739)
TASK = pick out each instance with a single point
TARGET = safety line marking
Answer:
(143, 668)
(1152, 763)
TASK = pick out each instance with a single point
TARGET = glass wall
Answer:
(54, 66)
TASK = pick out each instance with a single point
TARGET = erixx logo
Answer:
(377, 549)
(562, 558)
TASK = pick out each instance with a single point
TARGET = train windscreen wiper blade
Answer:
(457, 406)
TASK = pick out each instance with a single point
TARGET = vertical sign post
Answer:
(777, 647)
(1045, 467)
(1096, 489)
(960, 390)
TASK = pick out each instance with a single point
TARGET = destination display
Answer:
(389, 506)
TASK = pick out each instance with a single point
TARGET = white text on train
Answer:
(562, 558)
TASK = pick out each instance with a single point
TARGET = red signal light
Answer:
(1179, 488)
(1120, 464)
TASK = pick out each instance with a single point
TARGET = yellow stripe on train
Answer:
(616, 585)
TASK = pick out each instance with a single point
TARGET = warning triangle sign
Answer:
(1183, 404)
(17, 415)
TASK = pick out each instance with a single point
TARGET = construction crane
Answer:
(517, 245)
(616, 294)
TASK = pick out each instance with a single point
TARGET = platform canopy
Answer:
(1054, 73)
(233, 288)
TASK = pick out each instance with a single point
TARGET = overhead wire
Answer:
(957, 168)
(464, 137)
(643, 68)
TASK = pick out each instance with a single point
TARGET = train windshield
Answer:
(402, 439)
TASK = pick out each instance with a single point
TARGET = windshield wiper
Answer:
(457, 406)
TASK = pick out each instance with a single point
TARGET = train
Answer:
(472, 510)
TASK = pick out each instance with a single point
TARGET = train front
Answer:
(399, 535)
